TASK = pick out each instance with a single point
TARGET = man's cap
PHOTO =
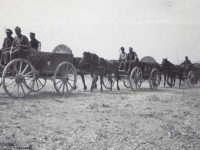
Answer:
(18, 28)
(130, 48)
(31, 33)
(122, 48)
(9, 31)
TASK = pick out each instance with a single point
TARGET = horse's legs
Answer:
(101, 82)
(83, 80)
(164, 79)
(174, 80)
(111, 81)
(117, 80)
(95, 84)
(170, 84)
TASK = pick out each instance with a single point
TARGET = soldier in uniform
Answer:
(6, 44)
(35, 44)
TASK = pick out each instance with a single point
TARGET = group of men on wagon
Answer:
(12, 47)
(126, 59)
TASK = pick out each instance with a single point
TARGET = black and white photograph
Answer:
(100, 75)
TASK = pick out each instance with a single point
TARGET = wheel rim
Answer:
(154, 80)
(65, 78)
(191, 79)
(39, 84)
(126, 82)
(18, 78)
(136, 79)
(107, 83)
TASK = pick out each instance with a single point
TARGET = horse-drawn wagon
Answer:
(146, 69)
(31, 69)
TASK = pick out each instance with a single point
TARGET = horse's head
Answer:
(165, 63)
(86, 58)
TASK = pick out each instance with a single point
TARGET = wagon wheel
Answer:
(18, 78)
(39, 84)
(106, 82)
(154, 80)
(191, 77)
(65, 78)
(126, 82)
(136, 78)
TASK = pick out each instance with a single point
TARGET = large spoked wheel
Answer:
(136, 78)
(191, 78)
(18, 78)
(154, 80)
(39, 84)
(126, 82)
(107, 83)
(65, 77)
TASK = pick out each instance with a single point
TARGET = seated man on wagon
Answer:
(185, 64)
(122, 58)
(131, 57)
(35, 44)
(19, 44)
(7, 43)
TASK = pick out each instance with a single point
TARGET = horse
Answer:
(172, 71)
(100, 66)
(76, 61)
(163, 71)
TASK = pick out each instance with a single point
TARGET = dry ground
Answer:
(166, 119)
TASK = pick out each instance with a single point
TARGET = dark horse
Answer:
(99, 67)
(163, 71)
(174, 71)
(76, 62)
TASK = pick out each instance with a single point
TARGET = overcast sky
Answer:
(157, 28)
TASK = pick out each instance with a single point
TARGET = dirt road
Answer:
(166, 119)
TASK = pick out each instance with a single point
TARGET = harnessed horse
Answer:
(176, 70)
(76, 61)
(99, 66)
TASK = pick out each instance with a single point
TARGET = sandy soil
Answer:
(166, 119)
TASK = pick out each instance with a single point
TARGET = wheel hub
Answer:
(19, 78)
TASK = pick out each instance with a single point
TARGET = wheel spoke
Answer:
(20, 67)
(70, 71)
(24, 69)
(22, 88)
(67, 87)
(10, 83)
(40, 82)
(37, 85)
(28, 74)
(58, 81)
(63, 88)
(70, 84)
(60, 86)
(13, 88)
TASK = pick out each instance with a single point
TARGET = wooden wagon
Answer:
(30, 71)
(146, 69)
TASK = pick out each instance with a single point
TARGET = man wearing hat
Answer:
(122, 58)
(6, 44)
(131, 57)
(19, 44)
(35, 44)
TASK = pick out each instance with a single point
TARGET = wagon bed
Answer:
(30, 71)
